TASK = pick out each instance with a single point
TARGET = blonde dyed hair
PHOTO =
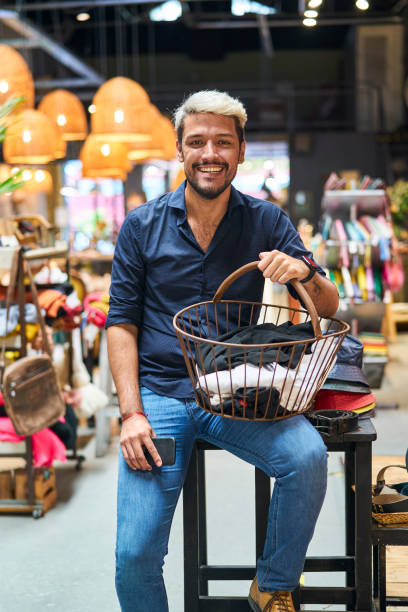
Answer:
(211, 101)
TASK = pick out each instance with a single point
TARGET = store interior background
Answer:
(322, 98)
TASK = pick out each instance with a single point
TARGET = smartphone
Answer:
(166, 447)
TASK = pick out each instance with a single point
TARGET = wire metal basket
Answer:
(261, 381)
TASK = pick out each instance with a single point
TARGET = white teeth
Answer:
(210, 169)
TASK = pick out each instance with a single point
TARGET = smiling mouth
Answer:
(211, 169)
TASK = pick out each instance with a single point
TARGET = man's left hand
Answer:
(282, 268)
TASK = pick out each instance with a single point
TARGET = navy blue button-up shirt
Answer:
(159, 268)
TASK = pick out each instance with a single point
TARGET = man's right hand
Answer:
(136, 434)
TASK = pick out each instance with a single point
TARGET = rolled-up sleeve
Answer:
(126, 294)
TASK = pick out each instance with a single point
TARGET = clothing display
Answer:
(30, 315)
(47, 447)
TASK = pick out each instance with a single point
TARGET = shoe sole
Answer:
(253, 604)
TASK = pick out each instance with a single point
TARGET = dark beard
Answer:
(208, 194)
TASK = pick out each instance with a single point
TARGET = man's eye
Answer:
(224, 142)
(195, 143)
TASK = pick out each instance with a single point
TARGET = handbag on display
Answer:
(32, 398)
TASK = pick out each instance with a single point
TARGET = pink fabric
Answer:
(46, 445)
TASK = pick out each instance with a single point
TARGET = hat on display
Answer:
(349, 386)
(349, 362)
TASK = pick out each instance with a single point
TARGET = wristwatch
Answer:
(312, 267)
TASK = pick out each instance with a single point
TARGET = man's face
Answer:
(211, 153)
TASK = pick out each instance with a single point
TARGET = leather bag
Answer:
(32, 398)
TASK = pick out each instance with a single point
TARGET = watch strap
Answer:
(312, 267)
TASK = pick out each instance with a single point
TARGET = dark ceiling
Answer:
(206, 30)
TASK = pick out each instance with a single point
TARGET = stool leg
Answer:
(202, 520)
(190, 528)
(296, 598)
(382, 581)
(375, 570)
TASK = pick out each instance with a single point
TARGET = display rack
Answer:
(30, 504)
(354, 257)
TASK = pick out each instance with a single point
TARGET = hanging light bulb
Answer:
(39, 176)
(105, 150)
(311, 14)
(363, 5)
(313, 4)
(310, 23)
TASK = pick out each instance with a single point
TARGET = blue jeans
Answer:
(291, 451)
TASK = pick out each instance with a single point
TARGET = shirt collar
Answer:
(176, 200)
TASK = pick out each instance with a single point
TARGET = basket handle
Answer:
(381, 474)
(300, 290)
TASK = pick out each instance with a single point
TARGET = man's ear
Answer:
(242, 152)
(180, 156)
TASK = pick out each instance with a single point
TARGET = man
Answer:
(172, 253)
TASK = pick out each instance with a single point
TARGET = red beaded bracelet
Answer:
(127, 416)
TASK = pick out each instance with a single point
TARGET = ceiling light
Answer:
(4, 87)
(242, 7)
(83, 16)
(92, 108)
(363, 5)
(310, 23)
(315, 3)
(27, 136)
(61, 120)
(311, 14)
(168, 11)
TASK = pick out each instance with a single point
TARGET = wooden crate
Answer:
(6, 485)
(397, 556)
(44, 486)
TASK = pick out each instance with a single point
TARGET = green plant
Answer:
(398, 194)
(13, 182)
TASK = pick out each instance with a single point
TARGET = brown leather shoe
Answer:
(279, 601)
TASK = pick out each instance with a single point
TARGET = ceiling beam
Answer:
(295, 23)
(58, 52)
(79, 4)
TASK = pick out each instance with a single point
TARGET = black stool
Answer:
(356, 563)
(383, 536)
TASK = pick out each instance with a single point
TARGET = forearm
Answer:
(124, 364)
(324, 295)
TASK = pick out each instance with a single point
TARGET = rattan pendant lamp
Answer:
(122, 111)
(66, 110)
(104, 159)
(15, 77)
(162, 145)
(31, 138)
(35, 181)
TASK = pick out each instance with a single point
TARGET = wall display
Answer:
(94, 209)
(265, 171)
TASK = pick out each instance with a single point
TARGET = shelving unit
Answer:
(355, 263)
(30, 504)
